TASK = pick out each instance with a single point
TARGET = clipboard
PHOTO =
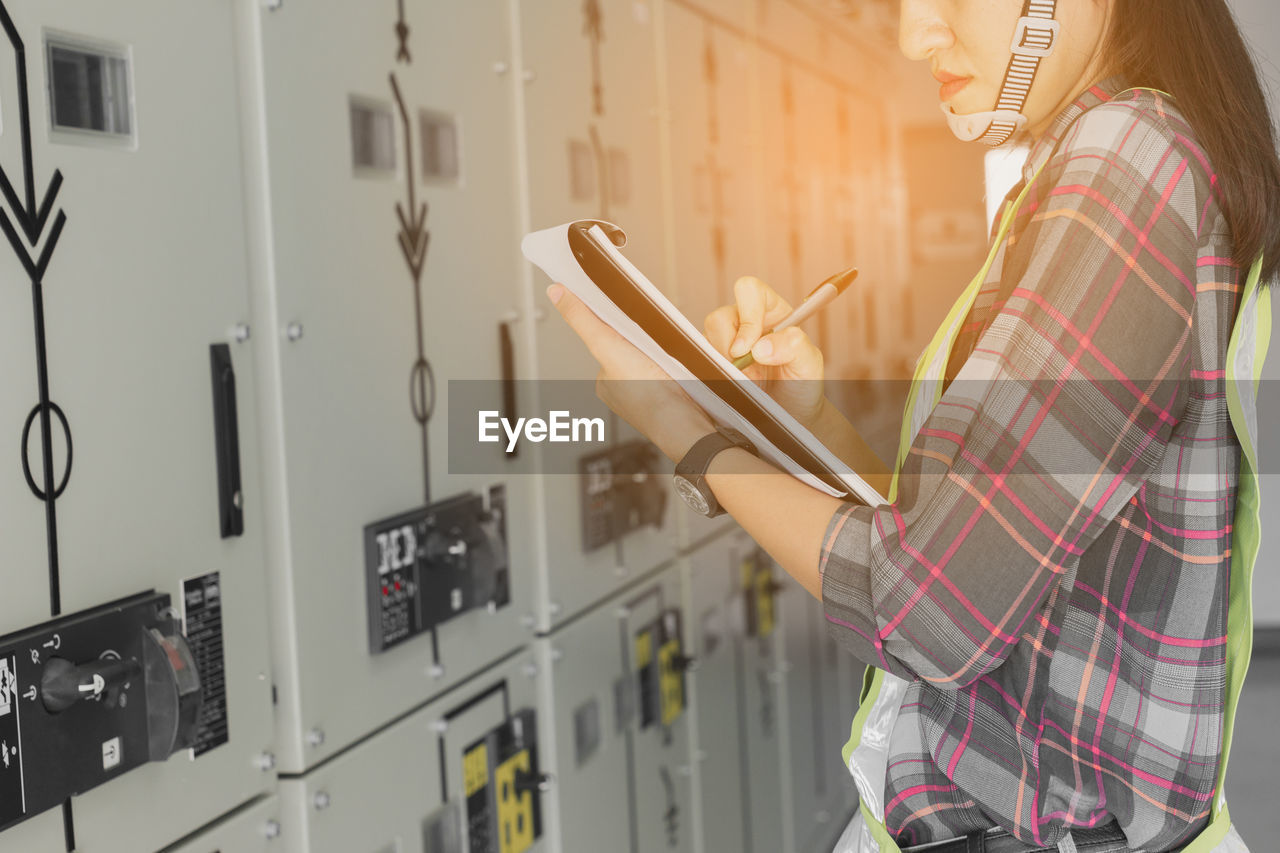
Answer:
(584, 256)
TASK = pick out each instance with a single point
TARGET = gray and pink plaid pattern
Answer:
(1053, 577)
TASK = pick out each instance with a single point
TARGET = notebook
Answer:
(584, 256)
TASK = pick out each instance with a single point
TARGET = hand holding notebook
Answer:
(584, 257)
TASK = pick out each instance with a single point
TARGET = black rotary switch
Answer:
(684, 663)
(63, 683)
(531, 783)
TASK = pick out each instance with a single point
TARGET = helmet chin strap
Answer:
(1034, 39)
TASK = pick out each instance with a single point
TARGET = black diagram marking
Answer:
(602, 169)
(33, 220)
(671, 817)
(26, 466)
(593, 29)
(402, 33)
(414, 239)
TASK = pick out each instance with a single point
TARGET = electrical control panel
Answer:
(622, 491)
(615, 704)
(395, 120)
(87, 698)
(660, 665)
(462, 774)
(741, 709)
(503, 787)
(427, 566)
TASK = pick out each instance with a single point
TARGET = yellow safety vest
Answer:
(1246, 352)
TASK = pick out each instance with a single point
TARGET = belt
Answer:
(999, 841)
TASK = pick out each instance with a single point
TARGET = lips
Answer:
(951, 84)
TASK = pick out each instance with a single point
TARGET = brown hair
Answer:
(1193, 50)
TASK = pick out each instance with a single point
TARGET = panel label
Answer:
(475, 776)
(12, 793)
(202, 623)
(475, 769)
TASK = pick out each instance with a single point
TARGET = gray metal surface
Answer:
(343, 443)
(562, 64)
(738, 701)
(256, 828)
(635, 789)
(148, 273)
(381, 794)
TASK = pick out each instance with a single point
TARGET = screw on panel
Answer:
(557, 654)
(321, 800)
(265, 761)
(530, 670)
(436, 671)
(271, 829)
(491, 608)
(528, 622)
(315, 737)
(501, 68)
(529, 75)
(439, 726)
(240, 332)
(623, 613)
(293, 331)
(685, 770)
(273, 4)
(620, 571)
(555, 608)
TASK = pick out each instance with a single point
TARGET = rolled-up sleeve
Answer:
(1065, 405)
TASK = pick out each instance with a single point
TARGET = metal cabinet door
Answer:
(388, 269)
(591, 139)
(147, 272)
(406, 789)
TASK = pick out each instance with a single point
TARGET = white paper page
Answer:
(550, 251)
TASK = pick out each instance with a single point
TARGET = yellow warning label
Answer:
(764, 602)
(475, 769)
(672, 686)
(644, 649)
(747, 572)
(515, 809)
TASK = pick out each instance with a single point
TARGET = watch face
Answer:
(692, 495)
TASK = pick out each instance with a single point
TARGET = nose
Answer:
(923, 29)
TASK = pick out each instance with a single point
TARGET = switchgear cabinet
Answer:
(382, 167)
(130, 408)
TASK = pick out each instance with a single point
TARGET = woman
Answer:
(1047, 593)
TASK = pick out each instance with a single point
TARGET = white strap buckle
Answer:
(1035, 36)
(973, 126)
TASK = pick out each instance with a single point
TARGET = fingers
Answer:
(792, 351)
(759, 306)
(581, 319)
(721, 326)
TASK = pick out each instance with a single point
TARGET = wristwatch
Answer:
(690, 477)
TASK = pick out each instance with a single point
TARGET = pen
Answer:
(819, 298)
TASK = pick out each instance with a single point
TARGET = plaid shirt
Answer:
(1052, 578)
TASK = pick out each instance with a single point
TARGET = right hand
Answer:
(788, 364)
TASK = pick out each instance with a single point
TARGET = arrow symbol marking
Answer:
(413, 235)
(31, 217)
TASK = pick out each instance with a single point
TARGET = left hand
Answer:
(632, 385)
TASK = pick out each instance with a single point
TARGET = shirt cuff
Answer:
(845, 569)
